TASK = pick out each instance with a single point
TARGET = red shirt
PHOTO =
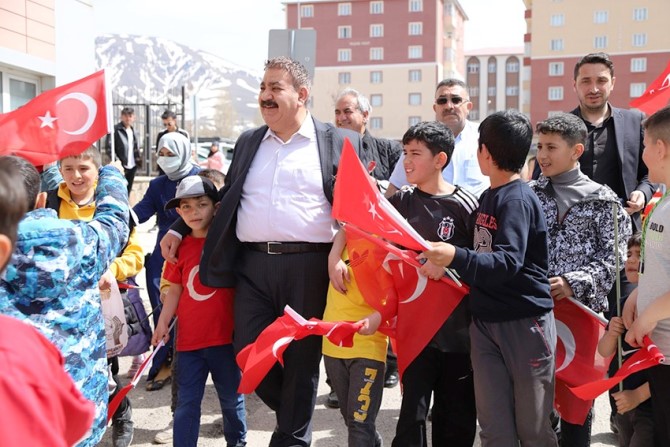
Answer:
(39, 403)
(205, 313)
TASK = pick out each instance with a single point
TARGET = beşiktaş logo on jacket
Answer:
(445, 230)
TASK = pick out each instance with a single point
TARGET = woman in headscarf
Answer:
(215, 159)
(174, 158)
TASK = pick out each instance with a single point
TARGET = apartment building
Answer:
(560, 32)
(43, 44)
(494, 79)
(393, 51)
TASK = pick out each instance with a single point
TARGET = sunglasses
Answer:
(455, 100)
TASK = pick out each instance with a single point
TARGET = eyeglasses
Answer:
(455, 100)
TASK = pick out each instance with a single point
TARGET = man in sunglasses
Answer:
(452, 106)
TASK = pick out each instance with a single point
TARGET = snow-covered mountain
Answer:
(151, 70)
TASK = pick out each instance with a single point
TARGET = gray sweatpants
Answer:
(513, 364)
(359, 384)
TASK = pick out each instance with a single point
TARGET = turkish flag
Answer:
(389, 280)
(60, 122)
(357, 201)
(257, 358)
(656, 96)
(644, 358)
(577, 359)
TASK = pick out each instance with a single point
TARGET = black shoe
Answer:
(332, 401)
(123, 428)
(391, 379)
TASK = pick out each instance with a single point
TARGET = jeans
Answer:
(192, 370)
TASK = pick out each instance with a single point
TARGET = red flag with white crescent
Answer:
(646, 357)
(257, 358)
(60, 122)
(390, 282)
(656, 96)
(357, 201)
(577, 359)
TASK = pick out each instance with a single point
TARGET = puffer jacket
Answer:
(52, 284)
(581, 246)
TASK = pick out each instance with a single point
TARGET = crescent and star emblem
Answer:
(91, 109)
(191, 288)
(565, 335)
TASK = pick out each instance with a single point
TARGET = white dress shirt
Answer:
(463, 168)
(282, 196)
(130, 154)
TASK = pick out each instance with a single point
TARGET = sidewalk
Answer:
(151, 410)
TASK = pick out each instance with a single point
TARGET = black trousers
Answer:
(267, 283)
(659, 384)
(448, 377)
(130, 176)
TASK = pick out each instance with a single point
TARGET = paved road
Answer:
(151, 410)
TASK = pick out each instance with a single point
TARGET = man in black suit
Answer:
(126, 146)
(272, 233)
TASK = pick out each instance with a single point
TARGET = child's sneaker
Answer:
(137, 362)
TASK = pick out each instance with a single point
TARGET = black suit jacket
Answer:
(121, 145)
(217, 265)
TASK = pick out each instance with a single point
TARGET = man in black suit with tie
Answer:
(126, 146)
(272, 233)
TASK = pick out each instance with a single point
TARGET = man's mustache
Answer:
(268, 103)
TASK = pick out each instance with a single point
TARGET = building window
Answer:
(555, 93)
(512, 90)
(376, 54)
(638, 64)
(307, 11)
(376, 77)
(344, 55)
(344, 32)
(376, 7)
(556, 45)
(377, 30)
(21, 91)
(600, 16)
(473, 91)
(415, 76)
(491, 91)
(376, 123)
(512, 67)
(415, 28)
(600, 42)
(639, 39)
(415, 5)
(344, 77)
(474, 114)
(344, 9)
(413, 121)
(557, 20)
(414, 99)
(637, 88)
(376, 100)
(492, 67)
(415, 51)
(555, 68)
(473, 67)
(639, 14)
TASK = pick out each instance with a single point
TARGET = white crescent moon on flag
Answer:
(191, 289)
(565, 334)
(91, 108)
(279, 343)
(421, 283)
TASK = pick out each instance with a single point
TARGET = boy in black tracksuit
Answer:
(513, 333)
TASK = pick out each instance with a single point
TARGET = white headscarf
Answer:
(179, 145)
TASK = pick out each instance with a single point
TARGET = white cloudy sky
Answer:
(237, 30)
